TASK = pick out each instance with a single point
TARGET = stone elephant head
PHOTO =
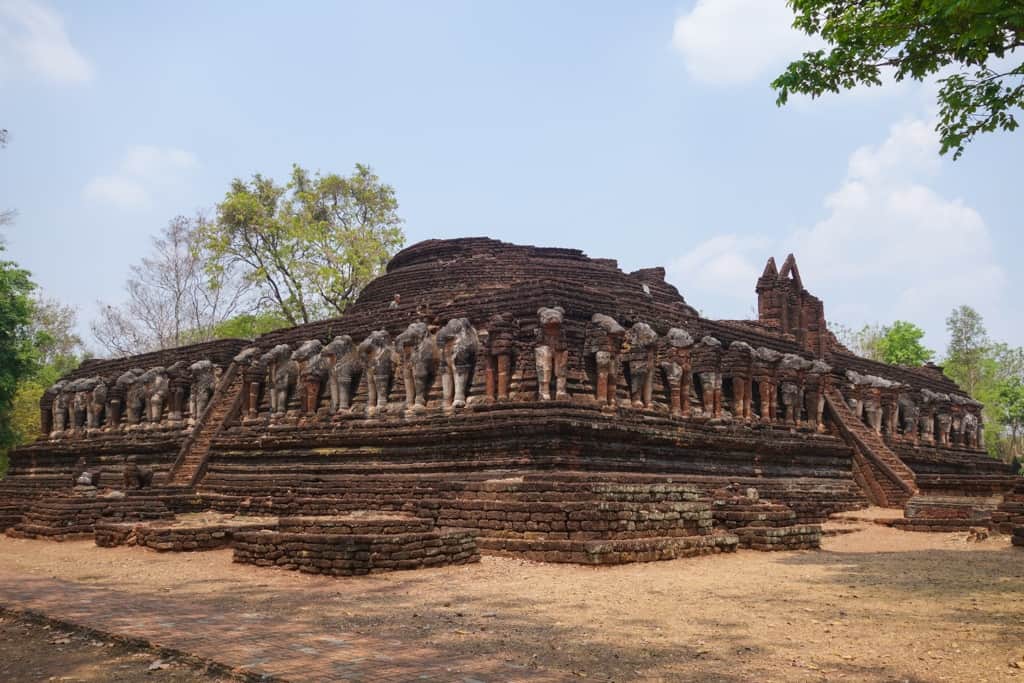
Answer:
(418, 353)
(204, 383)
(378, 357)
(459, 346)
(344, 367)
(58, 407)
(155, 385)
(282, 374)
(642, 342)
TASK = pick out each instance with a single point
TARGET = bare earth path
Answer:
(875, 605)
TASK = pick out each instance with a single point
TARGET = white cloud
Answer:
(889, 247)
(118, 190)
(728, 42)
(725, 264)
(33, 42)
(143, 170)
(885, 222)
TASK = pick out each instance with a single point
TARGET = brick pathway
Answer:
(287, 648)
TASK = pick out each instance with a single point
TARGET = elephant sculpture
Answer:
(956, 418)
(945, 423)
(312, 371)
(282, 374)
(873, 409)
(58, 408)
(971, 426)
(676, 370)
(789, 394)
(763, 371)
(204, 381)
(96, 403)
(378, 357)
(78, 401)
(737, 363)
(909, 413)
(605, 338)
(710, 376)
(343, 369)
(417, 351)
(179, 378)
(155, 386)
(790, 374)
(459, 344)
(939, 420)
(641, 354)
(551, 354)
(816, 384)
(926, 424)
(134, 395)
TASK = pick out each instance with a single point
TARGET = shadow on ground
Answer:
(752, 616)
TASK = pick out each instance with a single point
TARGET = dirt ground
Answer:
(34, 651)
(873, 605)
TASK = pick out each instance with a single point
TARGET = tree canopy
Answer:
(17, 355)
(970, 44)
(58, 347)
(54, 349)
(968, 349)
(901, 344)
(171, 298)
(991, 372)
(249, 325)
(310, 245)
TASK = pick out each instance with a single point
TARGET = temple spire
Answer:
(789, 268)
(785, 306)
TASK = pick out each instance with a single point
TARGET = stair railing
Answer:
(866, 450)
(186, 447)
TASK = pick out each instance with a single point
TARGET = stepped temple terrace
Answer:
(489, 398)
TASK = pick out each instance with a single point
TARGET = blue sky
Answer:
(645, 132)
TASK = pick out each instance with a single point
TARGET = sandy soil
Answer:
(32, 651)
(874, 605)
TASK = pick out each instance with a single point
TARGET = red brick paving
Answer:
(289, 648)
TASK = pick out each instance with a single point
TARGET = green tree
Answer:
(1010, 412)
(968, 360)
(56, 350)
(59, 349)
(1002, 392)
(24, 413)
(992, 373)
(249, 325)
(312, 244)
(974, 41)
(18, 358)
(901, 344)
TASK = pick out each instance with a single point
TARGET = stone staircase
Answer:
(886, 479)
(191, 461)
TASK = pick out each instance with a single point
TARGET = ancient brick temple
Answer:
(483, 396)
